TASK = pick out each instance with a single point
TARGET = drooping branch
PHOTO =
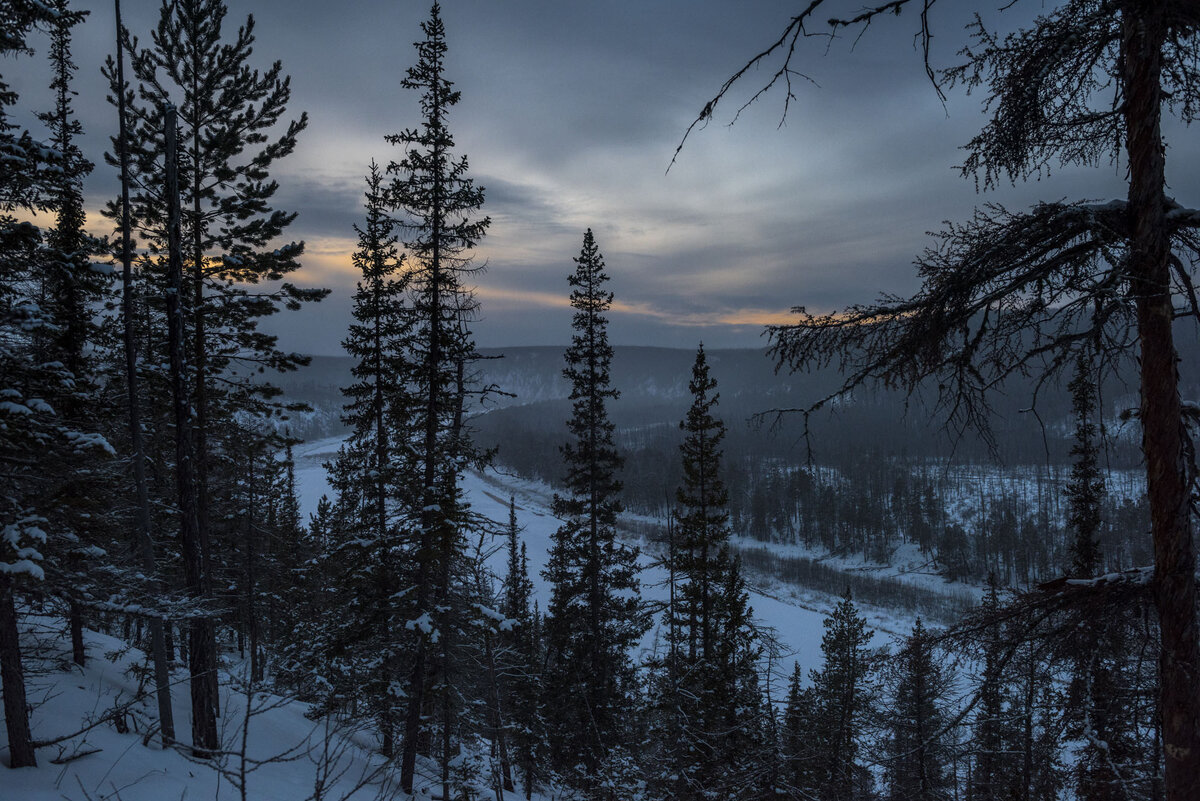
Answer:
(1002, 295)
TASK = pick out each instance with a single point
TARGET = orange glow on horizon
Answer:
(328, 260)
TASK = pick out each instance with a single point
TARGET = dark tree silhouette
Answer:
(142, 537)
(440, 204)
(1009, 294)
(593, 615)
(28, 425)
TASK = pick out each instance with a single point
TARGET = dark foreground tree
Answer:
(143, 541)
(994, 770)
(70, 290)
(372, 476)
(440, 204)
(1085, 489)
(28, 424)
(1009, 294)
(593, 616)
(841, 697)
(202, 648)
(521, 658)
(233, 267)
(707, 699)
(919, 751)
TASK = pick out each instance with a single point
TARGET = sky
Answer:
(570, 114)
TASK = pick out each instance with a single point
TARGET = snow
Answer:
(311, 480)
(82, 441)
(287, 753)
(424, 624)
(797, 618)
(24, 566)
(798, 624)
(8, 407)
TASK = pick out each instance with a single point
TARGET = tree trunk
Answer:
(256, 667)
(145, 546)
(412, 722)
(200, 367)
(16, 710)
(1163, 436)
(75, 623)
(201, 646)
(497, 719)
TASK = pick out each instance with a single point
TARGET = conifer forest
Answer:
(665, 449)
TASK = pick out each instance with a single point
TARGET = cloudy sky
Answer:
(570, 114)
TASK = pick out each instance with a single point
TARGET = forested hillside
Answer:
(855, 484)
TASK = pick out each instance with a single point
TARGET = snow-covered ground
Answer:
(795, 616)
(289, 757)
(798, 627)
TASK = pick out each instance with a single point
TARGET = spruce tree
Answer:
(842, 695)
(143, 516)
(76, 492)
(593, 618)
(994, 768)
(708, 704)
(918, 741)
(73, 286)
(36, 441)
(1101, 706)
(1085, 489)
(735, 698)
(521, 659)
(229, 138)
(703, 522)
(373, 470)
(202, 648)
(799, 767)
(440, 206)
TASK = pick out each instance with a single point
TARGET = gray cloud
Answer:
(570, 115)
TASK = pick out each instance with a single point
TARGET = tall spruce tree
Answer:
(919, 748)
(440, 206)
(143, 542)
(1101, 706)
(27, 423)
(521, 658)
(842, 695)
(373, 472)
(76, 492)
(229, 137)
(702, 527)
(202, 648)
(708, 704)
(593, 618)
(72, 285)
(994, 763)
(799, 778)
